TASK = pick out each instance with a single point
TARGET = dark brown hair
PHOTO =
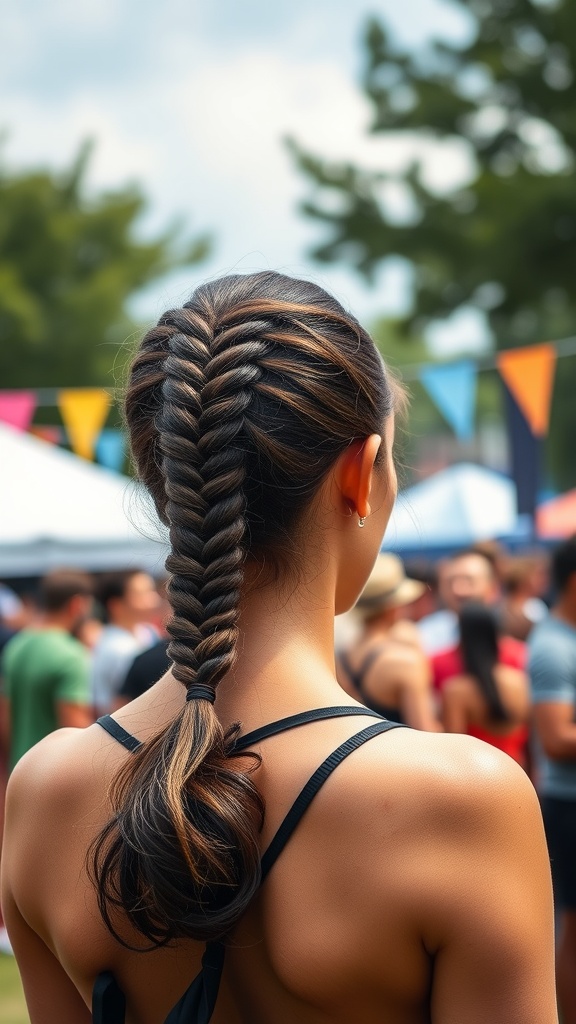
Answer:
(479, 649)
(113, 585)
(238, 404)
(58, 587)
(563, 565)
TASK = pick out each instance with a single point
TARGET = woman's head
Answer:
(239, 405)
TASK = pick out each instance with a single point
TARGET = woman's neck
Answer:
(285, 656)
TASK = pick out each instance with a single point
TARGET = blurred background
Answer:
(416, 159)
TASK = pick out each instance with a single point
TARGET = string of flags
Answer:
(528, 374)
(84, 412)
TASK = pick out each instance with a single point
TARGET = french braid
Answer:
(238, 404)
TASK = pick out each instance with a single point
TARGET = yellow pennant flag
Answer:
(84, 412)
(529, 374)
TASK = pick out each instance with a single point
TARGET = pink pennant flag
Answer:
(17, 408)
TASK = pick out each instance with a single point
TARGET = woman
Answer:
(489, 699)
(386, 668)
(261, 420)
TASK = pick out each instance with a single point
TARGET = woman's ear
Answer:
(353, 474)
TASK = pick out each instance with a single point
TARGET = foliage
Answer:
(67, 265)
(503, 241)
(12, 1004)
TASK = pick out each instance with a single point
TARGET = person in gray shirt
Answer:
(552, 669)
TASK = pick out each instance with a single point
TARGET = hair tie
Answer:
(200, 692)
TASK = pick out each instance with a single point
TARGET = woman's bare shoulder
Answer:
(439, 783)
(57, 769)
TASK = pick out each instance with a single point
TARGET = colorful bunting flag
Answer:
(84, 411)
(452, 388)
(17, 408)
(529, 375)
(110, 449)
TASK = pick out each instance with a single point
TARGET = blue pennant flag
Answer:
(453, 389)
(110, 449)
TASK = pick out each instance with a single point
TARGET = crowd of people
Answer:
(444, 651)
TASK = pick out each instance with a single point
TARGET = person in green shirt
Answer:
(45, 671)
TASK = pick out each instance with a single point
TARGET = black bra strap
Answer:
(306, 796)
(125, 738)
(316, 715)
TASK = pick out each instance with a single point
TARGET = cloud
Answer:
(194, 106)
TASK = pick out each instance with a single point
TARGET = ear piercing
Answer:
(361, 520)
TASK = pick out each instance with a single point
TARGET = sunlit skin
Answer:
(415, 890)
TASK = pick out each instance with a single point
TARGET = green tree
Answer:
(504, 241)
(68, 263)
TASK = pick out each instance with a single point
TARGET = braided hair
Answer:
(238, 405)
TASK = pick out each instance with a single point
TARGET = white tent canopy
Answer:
(59, 510)
(456, 506)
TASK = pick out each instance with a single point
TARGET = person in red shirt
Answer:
(483, 695)
(511, 652)
(469, 576)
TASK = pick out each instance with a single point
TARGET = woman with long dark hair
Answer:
(489, 699)
(245, 843)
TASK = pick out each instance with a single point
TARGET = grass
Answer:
(12, 1005)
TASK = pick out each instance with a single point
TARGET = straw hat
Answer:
(388, 587)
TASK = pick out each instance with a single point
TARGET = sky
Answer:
(193, 100)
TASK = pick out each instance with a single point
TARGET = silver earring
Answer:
(361, 520)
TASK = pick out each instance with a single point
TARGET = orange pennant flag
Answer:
(529, 375)
(84, 412)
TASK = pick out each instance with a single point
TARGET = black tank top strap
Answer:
(108, 1000)
(358, 676)
(114, 729)
(314, 784)
(198, 1003)
(293, 721)
(393, 714)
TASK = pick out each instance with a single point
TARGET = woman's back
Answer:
(391, 673)
(345, 928)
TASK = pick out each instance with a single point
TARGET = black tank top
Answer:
(357, 679)
(198, 1002)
